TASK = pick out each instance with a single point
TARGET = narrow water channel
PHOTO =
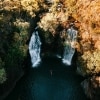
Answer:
(52, 80)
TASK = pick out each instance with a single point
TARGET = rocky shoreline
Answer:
(91, 87)
(8, 90)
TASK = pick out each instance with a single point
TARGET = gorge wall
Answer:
(17, 24)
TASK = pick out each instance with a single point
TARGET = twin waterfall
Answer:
(35, 48)
(69, 50)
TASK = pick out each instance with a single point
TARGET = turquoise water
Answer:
(50, 81)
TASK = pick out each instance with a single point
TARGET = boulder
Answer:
(91, 87)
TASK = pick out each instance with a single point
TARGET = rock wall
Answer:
(16, 24)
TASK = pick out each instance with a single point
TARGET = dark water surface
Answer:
(50, 81)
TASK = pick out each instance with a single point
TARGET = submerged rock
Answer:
(91, 86)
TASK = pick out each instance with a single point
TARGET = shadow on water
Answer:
(52, 80)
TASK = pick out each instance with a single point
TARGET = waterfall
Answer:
(34, 49)
(69, 49)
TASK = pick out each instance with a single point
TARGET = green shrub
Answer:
(2, 75)
(14, 57)
(2, 72)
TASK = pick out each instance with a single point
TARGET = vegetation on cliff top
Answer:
(16, 19)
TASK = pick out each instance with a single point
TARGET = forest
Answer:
(18, 18)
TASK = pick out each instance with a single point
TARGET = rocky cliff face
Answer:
(17, 23)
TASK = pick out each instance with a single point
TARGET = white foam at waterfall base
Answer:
(34, 49)
(58, 56)
(68, 60)
(68, 49)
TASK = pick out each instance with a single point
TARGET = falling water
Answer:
(34, 49)
(69, 49)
